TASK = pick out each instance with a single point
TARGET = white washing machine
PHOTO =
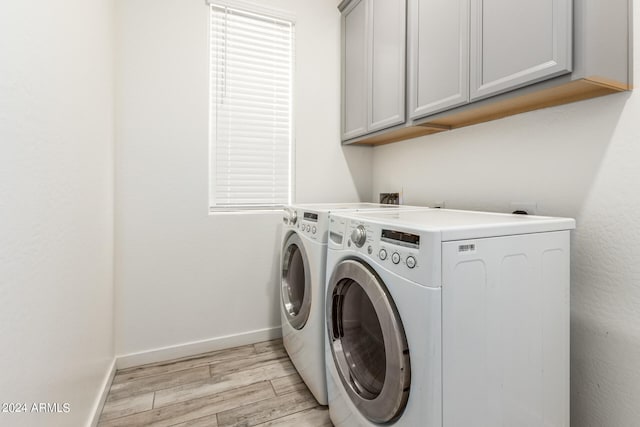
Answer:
(303, 261)
(448, 318)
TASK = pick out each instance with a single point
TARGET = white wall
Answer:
(182, 275)
(578, 160)
(56, 206)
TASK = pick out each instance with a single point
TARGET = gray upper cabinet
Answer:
(518, 42)
(438, 58)
(354, 70)
(461, 51)
(373, 65)
(387, 63)
(472, 61)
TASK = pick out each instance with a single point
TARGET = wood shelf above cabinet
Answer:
(566, 93)
(398, 133)
(501, 107)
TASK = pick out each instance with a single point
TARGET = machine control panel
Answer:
(400, 238)
(308, 228)
(395, 247)
(310, 223)
(310, 216)
(400, 257)
(411, 253)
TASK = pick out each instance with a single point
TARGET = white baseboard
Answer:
(197, 347)
(106, 385)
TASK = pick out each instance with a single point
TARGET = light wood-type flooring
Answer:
(252, 385)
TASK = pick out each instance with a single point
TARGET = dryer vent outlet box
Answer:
(390, 198)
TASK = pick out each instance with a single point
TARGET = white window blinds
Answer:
(251, 66)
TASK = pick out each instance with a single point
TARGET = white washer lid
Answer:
(461, 225)
(356, 206)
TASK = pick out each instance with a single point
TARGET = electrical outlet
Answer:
(531, 208)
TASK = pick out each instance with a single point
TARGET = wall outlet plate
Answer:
(531, 208)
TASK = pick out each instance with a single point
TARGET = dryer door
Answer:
(368, 342)
(295, 282)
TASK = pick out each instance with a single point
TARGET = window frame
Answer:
(262, 12)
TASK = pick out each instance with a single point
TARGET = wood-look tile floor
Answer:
(252, 385)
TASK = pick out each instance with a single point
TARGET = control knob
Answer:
(395, 257)
(359, 236)
(291, 217)
(411, 262)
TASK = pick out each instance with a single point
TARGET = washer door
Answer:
(295, 283)
(368, 342)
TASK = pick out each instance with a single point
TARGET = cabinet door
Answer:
(387, 63)
(438, 40)
(354, 69)
(518, 42)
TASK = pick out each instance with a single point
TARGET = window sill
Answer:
(241, 211)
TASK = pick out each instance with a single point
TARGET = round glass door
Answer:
(368, 342)
(295, 281)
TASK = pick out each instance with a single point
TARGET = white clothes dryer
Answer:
(303, 261)
(447, 318)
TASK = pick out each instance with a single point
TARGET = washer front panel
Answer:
(368, 342)
(295, 282)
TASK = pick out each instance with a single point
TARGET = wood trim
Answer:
(612, 84)
(577, 90)
(566, 93)
(401, 134)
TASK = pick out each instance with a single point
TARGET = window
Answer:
(250, 136)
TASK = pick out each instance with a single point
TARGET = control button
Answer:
(395, 258)
(411, 262)
(359, 236)
(382, 254)
(293, 217)
(313, 229)
(369, 249)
